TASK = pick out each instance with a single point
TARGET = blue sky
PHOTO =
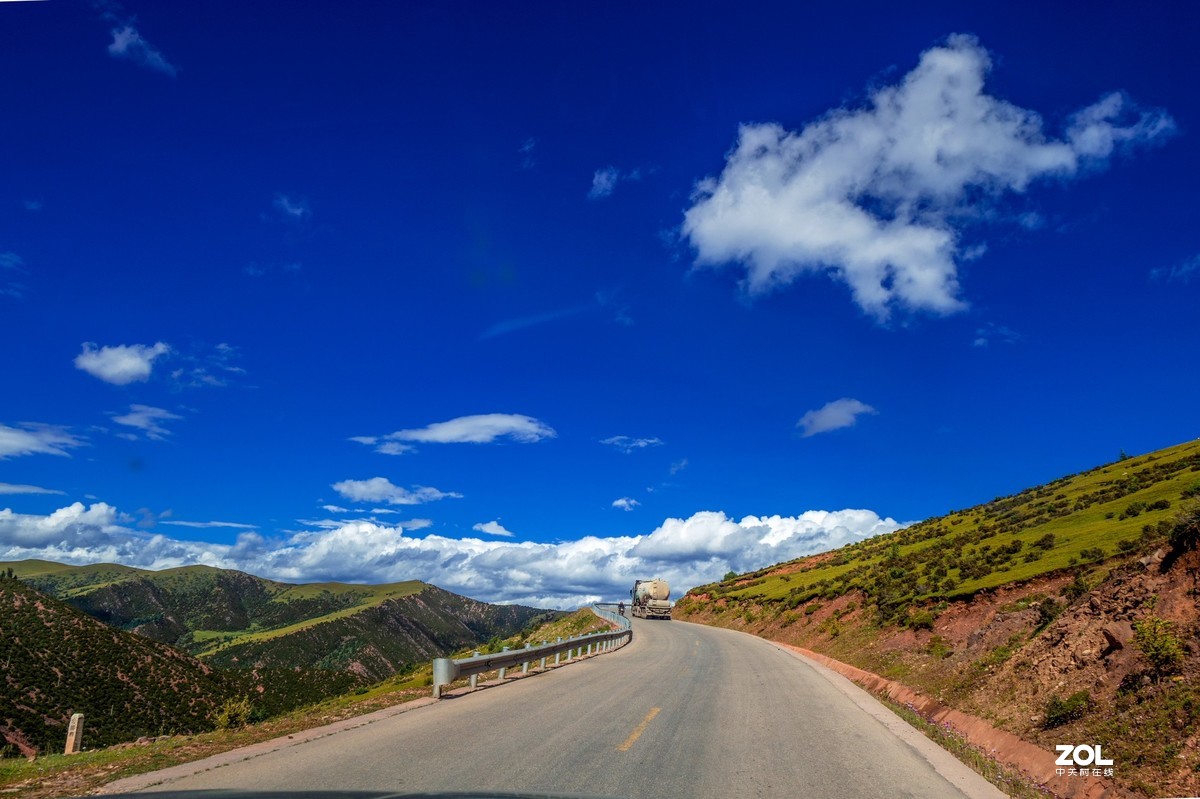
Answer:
(531, 301)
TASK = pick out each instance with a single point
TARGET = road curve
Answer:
(683, 711)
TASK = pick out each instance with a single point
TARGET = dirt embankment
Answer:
(1051, 661)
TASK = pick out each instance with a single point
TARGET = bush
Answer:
(1045, 542)
(1060, 711)
(234, 713)
(1186, 530)
(1048, 611)
(729, 575)
(1156, 639)
(939, 647)
(921, 620)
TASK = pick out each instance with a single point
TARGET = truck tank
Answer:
(653, 589)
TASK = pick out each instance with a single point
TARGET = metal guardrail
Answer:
(447, 670)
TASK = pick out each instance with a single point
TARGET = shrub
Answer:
(1127, 545)
(1185, 532)
(1045, 542)
(939, 647)
(1048, 611)
(921, 620)
(1077, 588)
(729, 575)
(234, 713)
(1060, 711)
(1156, 639)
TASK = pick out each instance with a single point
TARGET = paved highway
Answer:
(683, 711)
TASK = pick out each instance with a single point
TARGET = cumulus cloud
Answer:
(120, 364)
(17, 488)
(833, 416)
(127, 43)
(880, 197)
(380, 489)
(628, 444)
(625, 503)
(149, 420)
(483, 428)
(493, 528)
(30, 438)
(685, 552)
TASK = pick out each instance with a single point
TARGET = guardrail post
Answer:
(503, 670)
(525, 665)
(444, 672)
(556, 654)
(474, 677)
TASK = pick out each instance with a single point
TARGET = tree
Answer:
(729, 575)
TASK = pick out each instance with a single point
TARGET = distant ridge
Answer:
(234, 619)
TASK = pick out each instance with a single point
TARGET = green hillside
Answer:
(235, 619)
(58, 661)
(1077, 520)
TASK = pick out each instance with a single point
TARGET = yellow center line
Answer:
(638, 730)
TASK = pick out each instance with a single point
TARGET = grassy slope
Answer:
(287, 608)
(953, 608)
(1082, 512)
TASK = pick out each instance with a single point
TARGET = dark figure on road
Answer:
(621, 608)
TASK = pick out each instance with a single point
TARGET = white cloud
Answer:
(121, 364)
(17, 488)
(879, 197)
(604, 181)
(291, 207)
(380, 489)
(685, 552)
(11, 263)
(679, 465)
(833, 416)
(993, 332)
(1182, 272)
(493, 528)
(207, 525)
(480, 429)
(128, 43)
(626, 503)
(628, 444)
(149, 420)
(335, 509)
(528, 160)
(33, 439)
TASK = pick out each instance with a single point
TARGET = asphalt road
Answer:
(683, 711)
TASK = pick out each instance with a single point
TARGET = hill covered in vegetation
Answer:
(234, 619)
(58, 661)
(1066, 612)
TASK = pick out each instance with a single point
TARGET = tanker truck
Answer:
(651, 599)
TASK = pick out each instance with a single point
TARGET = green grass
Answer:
(372, 596)
(1083, 513)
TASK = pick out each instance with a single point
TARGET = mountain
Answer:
(1066, 612)
(231, 618)
(58, 661)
